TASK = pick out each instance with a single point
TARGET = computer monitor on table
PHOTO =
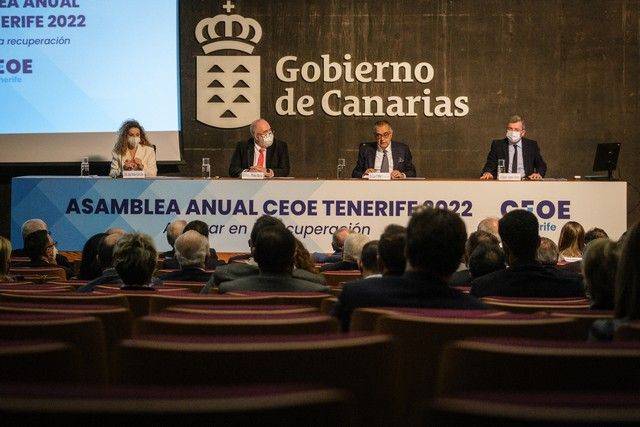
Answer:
(606, 159)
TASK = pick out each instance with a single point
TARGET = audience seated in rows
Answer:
(191, 251)
(274, 252)
(391, 259)
(434, 247)
(627, 288)
(89, 266)
(350, 254)
(134, 258)
(36, 224)
(5, 259)
(41, 250)
(337, 244)
(202, 228)
(463, 277)
(599, 267)
(368, 262)
(236, 270)
(174, 229)
(109, 274)
(571, 241)
(525, 276)
(486, 258)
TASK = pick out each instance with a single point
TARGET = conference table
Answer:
(75, 208)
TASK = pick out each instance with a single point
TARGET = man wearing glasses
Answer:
(384, 155)
(261, 153)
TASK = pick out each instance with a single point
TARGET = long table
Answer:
(78, 207)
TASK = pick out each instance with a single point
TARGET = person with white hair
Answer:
(192, 250)
(260, 153)
(350, 254)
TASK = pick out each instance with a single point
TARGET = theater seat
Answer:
(38, 361)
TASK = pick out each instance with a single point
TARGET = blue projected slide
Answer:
(71, 71)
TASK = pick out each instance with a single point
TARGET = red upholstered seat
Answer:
(38, 274)
(66, 298)
(628, 331)
(535, 304)
(43, 361)
(356, 363)
(241, 309)
(335, 278)
(521, 364)
(307, 298)
(161, 301)
(280, 404)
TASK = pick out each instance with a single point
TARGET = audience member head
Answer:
(391, 258)
(547, 253)
(31, 225)
(126, 128)
(571, 240)
(303, 259)
(353, 247)
(519, 234)
(475, 239)
(490, 225)
(192, 249)
(627, 290)
(89, 267)
(116, 230)
(197, 225)
(5, 259)
(105, 250)
(368, 262)
(274, 250)
(593, 234)
(261, 222)
(435, 241)
(40, 246)
(134, 258)
(175, 229)
(486, 258)
(599, 266)
(338, 238)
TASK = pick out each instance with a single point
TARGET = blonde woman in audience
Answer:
(5, 258)
(571, 241)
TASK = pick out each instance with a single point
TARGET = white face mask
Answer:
(267, 140)
(513, 136)
(133, 141)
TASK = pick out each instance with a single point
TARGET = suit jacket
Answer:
(109, 276)
(528, 279)
(146, 153)
(400, 153)
(271, 283)
(340, 266)
(277, 158)
(412, 289)
(187, 274)
(212, 261)
(531, 157)
(237, 270)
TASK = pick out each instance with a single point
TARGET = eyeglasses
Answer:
(381, 135)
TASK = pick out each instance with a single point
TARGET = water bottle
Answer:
(501, 166)
(340, 169)
(84, 167)
(206, 168)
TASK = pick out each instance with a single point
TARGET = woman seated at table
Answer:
(133, 151)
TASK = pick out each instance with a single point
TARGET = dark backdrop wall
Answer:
(570, 68)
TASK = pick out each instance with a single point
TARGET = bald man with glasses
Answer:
(384, 155)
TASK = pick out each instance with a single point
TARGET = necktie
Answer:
(514, 161)
(261, 158)
(384, 167)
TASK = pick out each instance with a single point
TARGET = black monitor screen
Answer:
(606, 156)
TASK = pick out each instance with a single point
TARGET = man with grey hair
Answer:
(192, 250)
(30, 226)
(337, 244)
(490, 225)
(174, 229)
(261, 153)
(134, 258)
(350, 254)
(548, 253)
(520, 155)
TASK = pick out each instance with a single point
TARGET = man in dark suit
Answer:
(191, 251)
(384, 155)
(521, 155)
(35, 224)
(261, 153)
(434, 246)
(212, 260)
(274, 251)
(105, 260)
(525, 276)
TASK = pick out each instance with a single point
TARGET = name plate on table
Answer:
(252, 175)
(379, 176)
(509, 177)
(133, 174)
